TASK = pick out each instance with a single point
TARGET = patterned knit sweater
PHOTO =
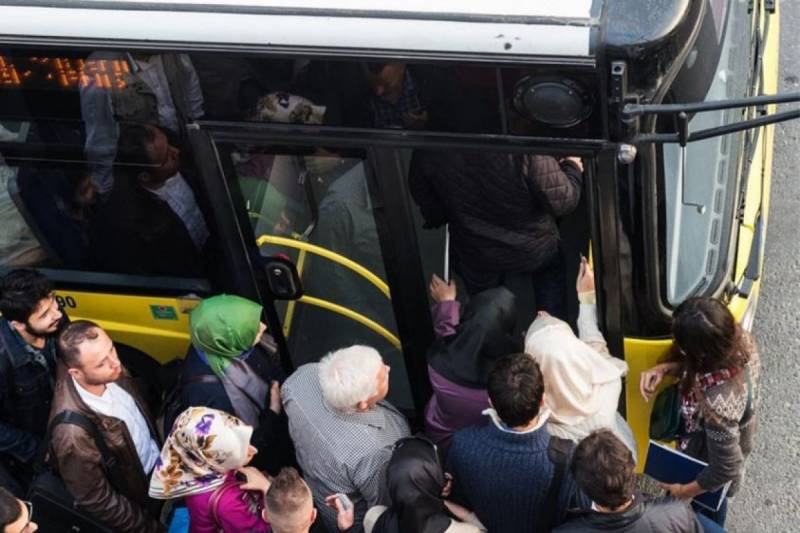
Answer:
(728, 426)
(504, 477)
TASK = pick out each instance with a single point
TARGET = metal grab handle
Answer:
(353, 315)
(327, 254)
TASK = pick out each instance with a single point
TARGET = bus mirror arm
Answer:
(752, 271)
(631, 111)
(664, 138)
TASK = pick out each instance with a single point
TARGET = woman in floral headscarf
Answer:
(199, 462)
(230, 366)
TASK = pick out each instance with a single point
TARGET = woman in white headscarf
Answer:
(582, 381)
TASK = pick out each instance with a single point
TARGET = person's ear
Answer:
(362, 406)
(265, 515)
(75, 373)
(17, 325)
(541, 402)
(313, 515)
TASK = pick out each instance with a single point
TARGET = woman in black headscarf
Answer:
(417, 488)
(460, 359)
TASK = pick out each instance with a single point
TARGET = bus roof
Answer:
(512, 29)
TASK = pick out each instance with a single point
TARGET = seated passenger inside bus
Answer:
(151, 223)
(143, 93)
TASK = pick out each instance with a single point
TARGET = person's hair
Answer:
(604, 469)
(71, 338)
(133, 144)
(516, 387)
(9, 508)
(706, 337)
(375, 68)
(21, 291)
(348, 376)
(287, 494)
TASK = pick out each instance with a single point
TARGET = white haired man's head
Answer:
(353, 379)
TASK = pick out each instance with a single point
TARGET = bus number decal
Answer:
(66, 302)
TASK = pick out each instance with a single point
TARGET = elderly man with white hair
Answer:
(342, 427)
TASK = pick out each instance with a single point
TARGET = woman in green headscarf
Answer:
(230, 367)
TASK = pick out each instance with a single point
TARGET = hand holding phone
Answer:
(345, 511)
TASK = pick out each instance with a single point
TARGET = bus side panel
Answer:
(640, 354)
(158, 326)
(761, 167)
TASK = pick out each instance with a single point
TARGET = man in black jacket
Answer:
(31, 318)
(502, 210)
(604, 470)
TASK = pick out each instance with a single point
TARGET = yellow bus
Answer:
(310, 213)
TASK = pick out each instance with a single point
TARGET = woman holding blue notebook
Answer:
(718, 367)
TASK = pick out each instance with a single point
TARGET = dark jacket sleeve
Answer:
(272, 436)
(423, 192)
(79, 461)
(20, 444)
(557, 186)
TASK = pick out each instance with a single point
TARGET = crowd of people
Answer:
(519, 435)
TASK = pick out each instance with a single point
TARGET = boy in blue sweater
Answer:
(511, 472)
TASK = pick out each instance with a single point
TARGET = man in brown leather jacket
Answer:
(92, 381)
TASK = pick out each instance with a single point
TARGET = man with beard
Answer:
(92, 382)
(31, 318)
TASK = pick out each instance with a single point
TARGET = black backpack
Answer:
(56, 509)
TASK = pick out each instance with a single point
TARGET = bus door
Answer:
(338, 212)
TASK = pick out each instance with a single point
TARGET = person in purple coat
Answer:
(463, 354)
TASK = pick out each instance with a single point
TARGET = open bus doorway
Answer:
(569, 227)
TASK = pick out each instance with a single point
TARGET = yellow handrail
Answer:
(353, 315)
(287, 319)
(327, 254)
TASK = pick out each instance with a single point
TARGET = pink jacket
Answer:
(238, 511)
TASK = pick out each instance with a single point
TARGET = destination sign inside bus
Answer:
(62, 72)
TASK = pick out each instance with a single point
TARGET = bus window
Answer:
(700, 181)
(362, 94)
(93, 178)
(314, 205)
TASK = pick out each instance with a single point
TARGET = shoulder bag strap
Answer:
(558, 453)
(77, 419)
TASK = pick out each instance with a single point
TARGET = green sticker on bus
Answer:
(163, 312)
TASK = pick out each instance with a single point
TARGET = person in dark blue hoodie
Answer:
(511, 472)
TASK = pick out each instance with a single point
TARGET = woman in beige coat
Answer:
(583, 381)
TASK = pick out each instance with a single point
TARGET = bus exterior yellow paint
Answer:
(133, 321)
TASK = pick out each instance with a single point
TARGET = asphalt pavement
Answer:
(769, 499)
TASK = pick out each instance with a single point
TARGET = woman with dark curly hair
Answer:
(718, 366)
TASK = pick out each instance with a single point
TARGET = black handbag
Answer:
(56, 509)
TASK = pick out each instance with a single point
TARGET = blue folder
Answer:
(671, 466)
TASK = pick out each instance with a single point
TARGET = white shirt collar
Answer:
(544, 414)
